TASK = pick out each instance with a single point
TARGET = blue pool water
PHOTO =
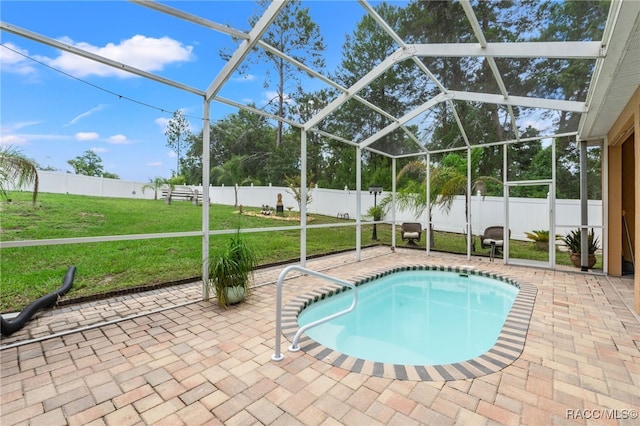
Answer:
(415, 318)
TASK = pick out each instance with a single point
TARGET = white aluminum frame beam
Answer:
(245, 47)
(409, 53)
(530, 49)
(408, 48)
(152, 4)
(476, 97)
(473, 20)
(351, 92)
(554, 104)
(404, 119)
(463, 132)
(159, 7)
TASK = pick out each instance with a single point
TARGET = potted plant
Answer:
(540, 239)
(230, 271)
(375, 213)
(572, 241)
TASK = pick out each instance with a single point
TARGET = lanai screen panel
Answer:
(441, 67)
(396, 143)
(399, 89)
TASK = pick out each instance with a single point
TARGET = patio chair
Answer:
(493, 237)
(411, 232)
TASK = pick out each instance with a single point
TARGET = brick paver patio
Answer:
(164, 357)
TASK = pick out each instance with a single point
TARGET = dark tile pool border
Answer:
(506, 350)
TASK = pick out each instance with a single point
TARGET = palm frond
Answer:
(17, 169)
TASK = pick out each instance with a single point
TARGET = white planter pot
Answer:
(234, 294)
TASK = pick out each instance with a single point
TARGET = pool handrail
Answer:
(278, 356)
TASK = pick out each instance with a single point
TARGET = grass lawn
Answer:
(27, 273)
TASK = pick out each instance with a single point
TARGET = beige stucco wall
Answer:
(624, 189)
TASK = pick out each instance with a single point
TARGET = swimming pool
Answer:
(415, 318)
(479, 328)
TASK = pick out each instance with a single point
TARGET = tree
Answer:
(18, 170)
(448, 179)
(396, 91)
(88, 164)
(569, 20)
(567, 172)
(285, 159)
(110, 175)
(252, 136)
(294, 34)
(177, 134)
(294, 189)
(438, 22)
(155, 185)
(47, 168)
(307, 106)
(412, 191)
(231, 173)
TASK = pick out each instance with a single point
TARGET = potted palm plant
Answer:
(572, 241)
(230, 271)
(540, 239)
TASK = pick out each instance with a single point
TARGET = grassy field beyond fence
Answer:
(27, 273)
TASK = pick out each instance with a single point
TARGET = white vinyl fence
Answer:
(525, 214)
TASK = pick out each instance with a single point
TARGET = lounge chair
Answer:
(411, 232)
(493, 237)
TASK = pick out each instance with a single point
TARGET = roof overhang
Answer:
(617, 75)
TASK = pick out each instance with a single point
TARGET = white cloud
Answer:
(145, 53)
(119, 140)
(31, 137)
(272, 97)
(244, 78)
(162, 122)
(155, 164)
(13, 140)
(17, 126)
(86, 136)
(13, 61)
(172, 154)
(84, 114)
(8, 136)
(99, 150)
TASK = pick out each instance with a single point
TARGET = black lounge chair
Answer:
(411, 232)
(493, 237)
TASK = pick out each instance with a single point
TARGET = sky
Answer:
(55, 106)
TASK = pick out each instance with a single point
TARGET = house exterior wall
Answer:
(624, 175)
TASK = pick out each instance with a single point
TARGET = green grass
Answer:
(27, 273)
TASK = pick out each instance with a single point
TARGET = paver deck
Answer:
(164, 357)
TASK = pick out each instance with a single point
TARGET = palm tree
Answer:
(155, 184)
(413, 197)
(18, 170)
(231, 173)
(448, 179)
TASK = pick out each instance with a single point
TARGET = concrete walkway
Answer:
(164, 357)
